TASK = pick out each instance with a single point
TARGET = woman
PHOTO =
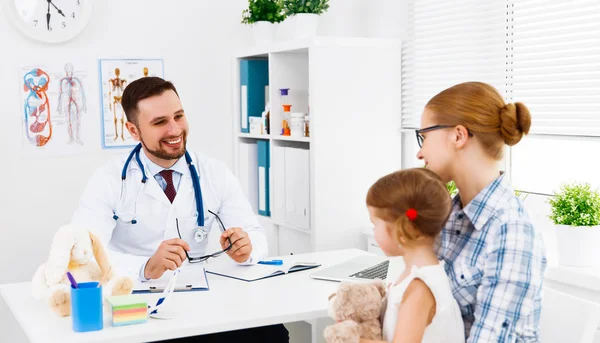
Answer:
(494, 257)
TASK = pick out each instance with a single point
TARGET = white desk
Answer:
(228, 305)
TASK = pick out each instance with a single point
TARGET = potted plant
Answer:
(262, 15)
(451, 187)
(303, 16)
(575, 210)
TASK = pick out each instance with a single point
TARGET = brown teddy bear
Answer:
(357, 308)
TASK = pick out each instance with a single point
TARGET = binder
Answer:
(278, 183)
(254, 82)
(263, 178)
(248, 164)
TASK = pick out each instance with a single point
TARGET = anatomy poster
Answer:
(54, 108)
(115, 75)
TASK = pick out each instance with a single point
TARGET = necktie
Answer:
(170, 190)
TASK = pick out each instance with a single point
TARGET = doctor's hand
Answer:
(241, 245)
(169, 256)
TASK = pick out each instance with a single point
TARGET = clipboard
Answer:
(190, 278)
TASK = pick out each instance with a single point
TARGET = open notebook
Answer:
(190, 278)
(258, 271)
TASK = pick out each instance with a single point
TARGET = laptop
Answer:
(363, 268)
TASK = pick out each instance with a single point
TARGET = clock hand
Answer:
(58, 9)
(48, 17)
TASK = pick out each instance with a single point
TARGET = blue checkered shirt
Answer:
(495, 260)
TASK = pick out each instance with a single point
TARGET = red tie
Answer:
(170, 190)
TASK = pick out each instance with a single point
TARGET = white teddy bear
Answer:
(80, 252)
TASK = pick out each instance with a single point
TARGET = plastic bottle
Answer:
(297, 124)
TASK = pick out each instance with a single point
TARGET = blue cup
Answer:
(86, 307)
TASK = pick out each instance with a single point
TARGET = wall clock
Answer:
(49, 21)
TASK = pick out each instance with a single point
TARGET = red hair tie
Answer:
(411, 213)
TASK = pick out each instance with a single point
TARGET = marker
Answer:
(272, 262)
(72, 280)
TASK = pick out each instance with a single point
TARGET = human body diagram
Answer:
(115, 94)
(38, 126)
(72, 103)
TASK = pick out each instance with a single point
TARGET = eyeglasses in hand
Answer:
(206, 257)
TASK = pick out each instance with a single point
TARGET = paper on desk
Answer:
(193, 276)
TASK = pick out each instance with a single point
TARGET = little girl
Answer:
(409, 209)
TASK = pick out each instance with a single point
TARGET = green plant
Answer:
(263, 10)
(576, 205)
(452, 189)
(450, 186)
(292, 7)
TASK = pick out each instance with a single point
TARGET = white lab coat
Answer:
(131, 245)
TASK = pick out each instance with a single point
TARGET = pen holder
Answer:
(86, 307)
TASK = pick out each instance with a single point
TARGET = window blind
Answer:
(450, 42)
(554, 64)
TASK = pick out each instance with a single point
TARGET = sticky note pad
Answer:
(128, 309)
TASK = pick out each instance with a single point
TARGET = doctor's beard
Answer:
(162, 153)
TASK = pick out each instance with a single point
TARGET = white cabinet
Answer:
(291, 186)
(317, 185)
(293, 242)
(272, 232)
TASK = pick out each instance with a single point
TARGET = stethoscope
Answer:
(200, 234)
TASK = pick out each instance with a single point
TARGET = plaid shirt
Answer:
(495, 261)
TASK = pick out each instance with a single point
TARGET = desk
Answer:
(228, 305)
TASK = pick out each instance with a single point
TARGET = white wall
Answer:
(365, 18)
(195, 39)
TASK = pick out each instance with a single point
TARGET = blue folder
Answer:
(254, 76)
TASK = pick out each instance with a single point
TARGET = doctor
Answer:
(158, 202)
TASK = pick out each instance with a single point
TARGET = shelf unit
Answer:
(273, 137)
(253, 135)
(352, 87)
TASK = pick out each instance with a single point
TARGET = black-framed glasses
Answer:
(420, 137)
(197, 259)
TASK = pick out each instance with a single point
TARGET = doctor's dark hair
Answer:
(418, 189)
(481, 109)
(141, 89)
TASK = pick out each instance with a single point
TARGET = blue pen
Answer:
(72, 280)
(272, 262)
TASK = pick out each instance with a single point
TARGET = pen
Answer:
(170, 288)
(272, 262)
(72, 280)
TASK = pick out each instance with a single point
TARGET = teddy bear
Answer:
(80, 252)
(357, 309)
